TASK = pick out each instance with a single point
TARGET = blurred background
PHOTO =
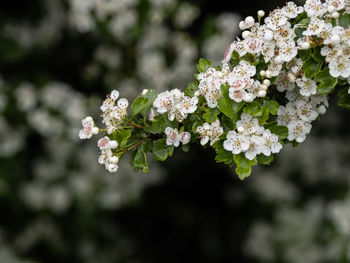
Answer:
(58, 60)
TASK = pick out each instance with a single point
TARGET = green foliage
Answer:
(204, 65)
(161, 151)
(228, 106)
(143, 104)
(191, 89)
(344, 99)
(327, 82)
(244, 166)
(344, 20)
(265, 160)
(138, 157)
(280, 131)
(311, 67)
(223, 156)
(122, 136)
(211, 115)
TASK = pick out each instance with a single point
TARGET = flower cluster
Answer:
(210, 132)
(251, 139)
(107, 158)
(113, 114)
(174, 137)
(272, 84)
(88, 129)
(176, 104)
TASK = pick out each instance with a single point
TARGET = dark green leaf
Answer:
(311, 67)
(265, 160)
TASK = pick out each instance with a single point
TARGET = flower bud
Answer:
(335, 15)
(268, 35)
(113, 144)
(263, 73)
(264, 87)
(268, 74)
(291, 77)
(95, 130)
(249, 21)
(246, 34)
(242, 25)
(305, 45)
(262, 93)
(267, 82)
(261, 13)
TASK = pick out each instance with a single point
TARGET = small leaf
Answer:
(280, 131)
(204, 65)
(161, 151)
(140, 159)
(211, 115)
(344, 99)
(344, 20)
(138, 105)
(191, 89)
(228, 106)
(272, 106)
(265, 160)
(311, 67)
(244, 168)
(154, 128)
(122, 136)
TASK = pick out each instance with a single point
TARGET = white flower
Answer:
(210, 132)
(276, 19)
(315, 8)
(103, 143)
(340, 68)
(288, 51)
(176, 104)
(305, 111)
(253, 45)
(185, 137)
(307, 86)
(283, 83)
(285, 115)
(249, 124)
(88, 129)
(255, 147)
(297, 130)
(271, 143)
(292, 10)
(337, 4)
(244, 68)
(236, 143)
(173, 137)
(315, 27)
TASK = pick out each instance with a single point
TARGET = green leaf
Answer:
(138, 105)
(327, 87)
(122, 136)
(327, 84)
(265, 160)
(161, 151)
(226, 105)
(253, 109)
(317, 55)
(344, 99)
(211, 115)
(204, 65)
(223, 156)
(154, 128)
(272, 106)
(139, 159)
(280, 131)
(244, 168)
(191, 89)
(311, 67)
(143, 104)
(305, 54)
(185, 147)
(344, 20)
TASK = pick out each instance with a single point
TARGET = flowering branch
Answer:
(272, 84)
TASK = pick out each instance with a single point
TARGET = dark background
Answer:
(200, 212)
